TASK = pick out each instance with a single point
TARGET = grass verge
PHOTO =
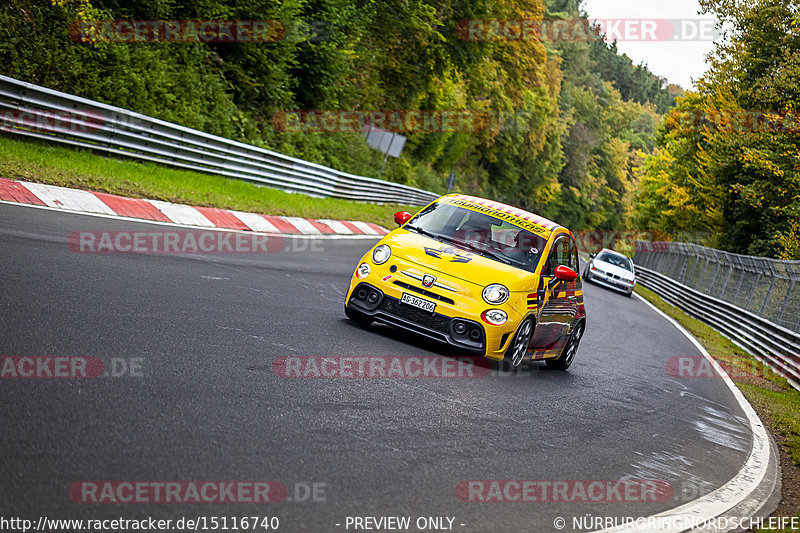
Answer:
(80, 169)
(776, 402)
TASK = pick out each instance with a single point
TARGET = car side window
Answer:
(559, 255)
(573, 256)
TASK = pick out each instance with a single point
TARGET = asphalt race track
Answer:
(202, 332)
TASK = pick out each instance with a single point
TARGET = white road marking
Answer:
(735, 491)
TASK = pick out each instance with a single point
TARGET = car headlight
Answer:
(495, 317)
(495, 294)
(381, 254)
(362, 271)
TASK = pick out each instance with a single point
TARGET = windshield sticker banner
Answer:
(502, 215)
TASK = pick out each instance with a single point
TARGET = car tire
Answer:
(628, 294)
(586, 275)
(516, 351)
(358, 317)
(567, 355)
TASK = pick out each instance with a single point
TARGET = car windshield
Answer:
(482, 234)
(616, 260)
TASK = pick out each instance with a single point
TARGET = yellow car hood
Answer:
(457, 262)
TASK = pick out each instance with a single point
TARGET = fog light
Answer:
(460, 328)
(362, 294)
(373, 297)
(495, 317)
(475, 334)
(362, 271)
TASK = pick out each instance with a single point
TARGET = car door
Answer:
(560, 302)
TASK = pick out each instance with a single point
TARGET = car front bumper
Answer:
(616, 284)
(472, 336)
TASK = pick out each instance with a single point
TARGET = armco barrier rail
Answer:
(771, 343)
(37, 112)
(766, 287)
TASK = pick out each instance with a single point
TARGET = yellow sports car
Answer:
(480, 275)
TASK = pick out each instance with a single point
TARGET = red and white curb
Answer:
(103, 204)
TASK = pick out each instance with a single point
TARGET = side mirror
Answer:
(401, 217)
(592, 256)
(565, 273)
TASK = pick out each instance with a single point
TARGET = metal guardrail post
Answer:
(682, 275)
(742, 271)
(694, 267)
(752, 291)
(785, 299)
(769, 291)
(727, 278)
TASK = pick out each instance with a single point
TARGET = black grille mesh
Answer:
(423, 318)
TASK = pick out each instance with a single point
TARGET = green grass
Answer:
(777, 402)
(54, 165)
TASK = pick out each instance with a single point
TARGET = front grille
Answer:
(429, 294)
(432, 321)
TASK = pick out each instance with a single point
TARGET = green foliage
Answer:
(727, 161)
(561, 122)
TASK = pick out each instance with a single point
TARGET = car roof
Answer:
(608, 250)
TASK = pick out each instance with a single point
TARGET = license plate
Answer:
(419, 303)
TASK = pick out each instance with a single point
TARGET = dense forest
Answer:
(726, 170)
(569, 128)
(563, 120)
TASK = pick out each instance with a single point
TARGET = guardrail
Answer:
(37, 112)
(768, 288)
(770, 343)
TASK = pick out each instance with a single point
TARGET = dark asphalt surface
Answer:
(207, 405)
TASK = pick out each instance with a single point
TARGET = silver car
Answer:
(611, 269)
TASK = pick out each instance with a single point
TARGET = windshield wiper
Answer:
(424, 232)
(468, 246)
(481, 251)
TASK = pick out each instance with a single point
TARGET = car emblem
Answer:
(427, 281)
